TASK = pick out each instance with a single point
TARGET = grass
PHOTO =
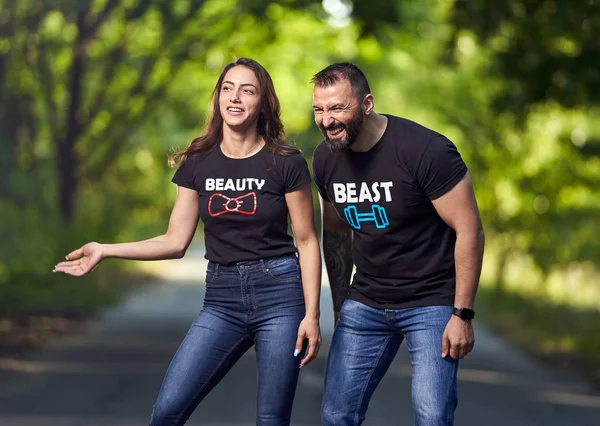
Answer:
(35, 307)
(562, 336)
(53, 292)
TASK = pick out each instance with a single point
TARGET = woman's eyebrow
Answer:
(244, 84)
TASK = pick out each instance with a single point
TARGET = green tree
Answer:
(544, 50)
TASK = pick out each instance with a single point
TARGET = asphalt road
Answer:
(109, 372)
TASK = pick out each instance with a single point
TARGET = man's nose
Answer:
(327, 120)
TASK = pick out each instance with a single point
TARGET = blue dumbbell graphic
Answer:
(377, 215)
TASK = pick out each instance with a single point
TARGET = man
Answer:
(397, 201)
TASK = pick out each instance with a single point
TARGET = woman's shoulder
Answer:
(286, 149)
(289, 155)
(195, 159)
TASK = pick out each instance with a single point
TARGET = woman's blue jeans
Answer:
(364, 345)
(258, 303)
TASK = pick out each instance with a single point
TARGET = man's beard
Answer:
(352, 131)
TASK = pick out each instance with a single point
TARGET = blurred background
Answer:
(95, 94)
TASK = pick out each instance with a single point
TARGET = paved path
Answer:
(109, 372)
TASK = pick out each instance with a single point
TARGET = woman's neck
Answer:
(240, 144)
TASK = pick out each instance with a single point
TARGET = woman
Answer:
(242, 180)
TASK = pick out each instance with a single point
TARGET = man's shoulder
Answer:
(411, 130)
(320, 155)
(286, 162)
(287, 156)
(410, 141)
(411, 138)
(322, 150)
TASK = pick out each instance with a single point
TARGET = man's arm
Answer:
(458, 208)
(337, 252)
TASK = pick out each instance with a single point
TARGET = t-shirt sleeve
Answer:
(441, 167)
(316, 173)
(295, 173)
(184, 176)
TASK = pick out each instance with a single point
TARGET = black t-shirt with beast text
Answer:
(242, 202)
(402, 249)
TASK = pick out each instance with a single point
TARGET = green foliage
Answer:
(543, 49)
(556, 333)
(31, 244)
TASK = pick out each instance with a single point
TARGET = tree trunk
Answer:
(499, 277)
(67, 161)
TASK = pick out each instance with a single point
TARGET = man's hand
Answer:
(458, 339)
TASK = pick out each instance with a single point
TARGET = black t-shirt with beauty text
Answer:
(242, 202)
(402, 249)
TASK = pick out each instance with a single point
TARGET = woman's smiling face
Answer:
(240, 98)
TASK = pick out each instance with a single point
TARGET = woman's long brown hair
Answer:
(269, 123)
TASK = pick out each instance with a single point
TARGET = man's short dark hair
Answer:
(343, 71)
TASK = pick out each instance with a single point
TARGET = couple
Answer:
(396, 201)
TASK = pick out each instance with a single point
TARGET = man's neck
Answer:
(371, 132)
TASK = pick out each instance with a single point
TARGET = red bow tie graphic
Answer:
(219, 204)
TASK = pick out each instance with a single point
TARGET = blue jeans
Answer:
(364, 345)
(257, 303)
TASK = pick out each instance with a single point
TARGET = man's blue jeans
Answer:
(257, 303)
(364, 345)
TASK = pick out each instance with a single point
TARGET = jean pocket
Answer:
(287, 270)
(211, 276)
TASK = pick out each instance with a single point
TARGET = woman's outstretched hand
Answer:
(81, 261)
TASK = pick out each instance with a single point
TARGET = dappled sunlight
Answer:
(574, 285)
(561, 398)
(112, 343)
(190, 269)
(133, 367)
(62, 420)
(537, 389)
(471, 375)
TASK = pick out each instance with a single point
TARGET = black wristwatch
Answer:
(464, 314)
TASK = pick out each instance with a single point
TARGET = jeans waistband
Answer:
(251, 265)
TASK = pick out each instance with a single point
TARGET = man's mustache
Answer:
(333, 126)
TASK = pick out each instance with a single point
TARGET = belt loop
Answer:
(217, 270)
(263, 266)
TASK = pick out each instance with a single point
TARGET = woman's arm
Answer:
(171, 245)
(300, 206)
